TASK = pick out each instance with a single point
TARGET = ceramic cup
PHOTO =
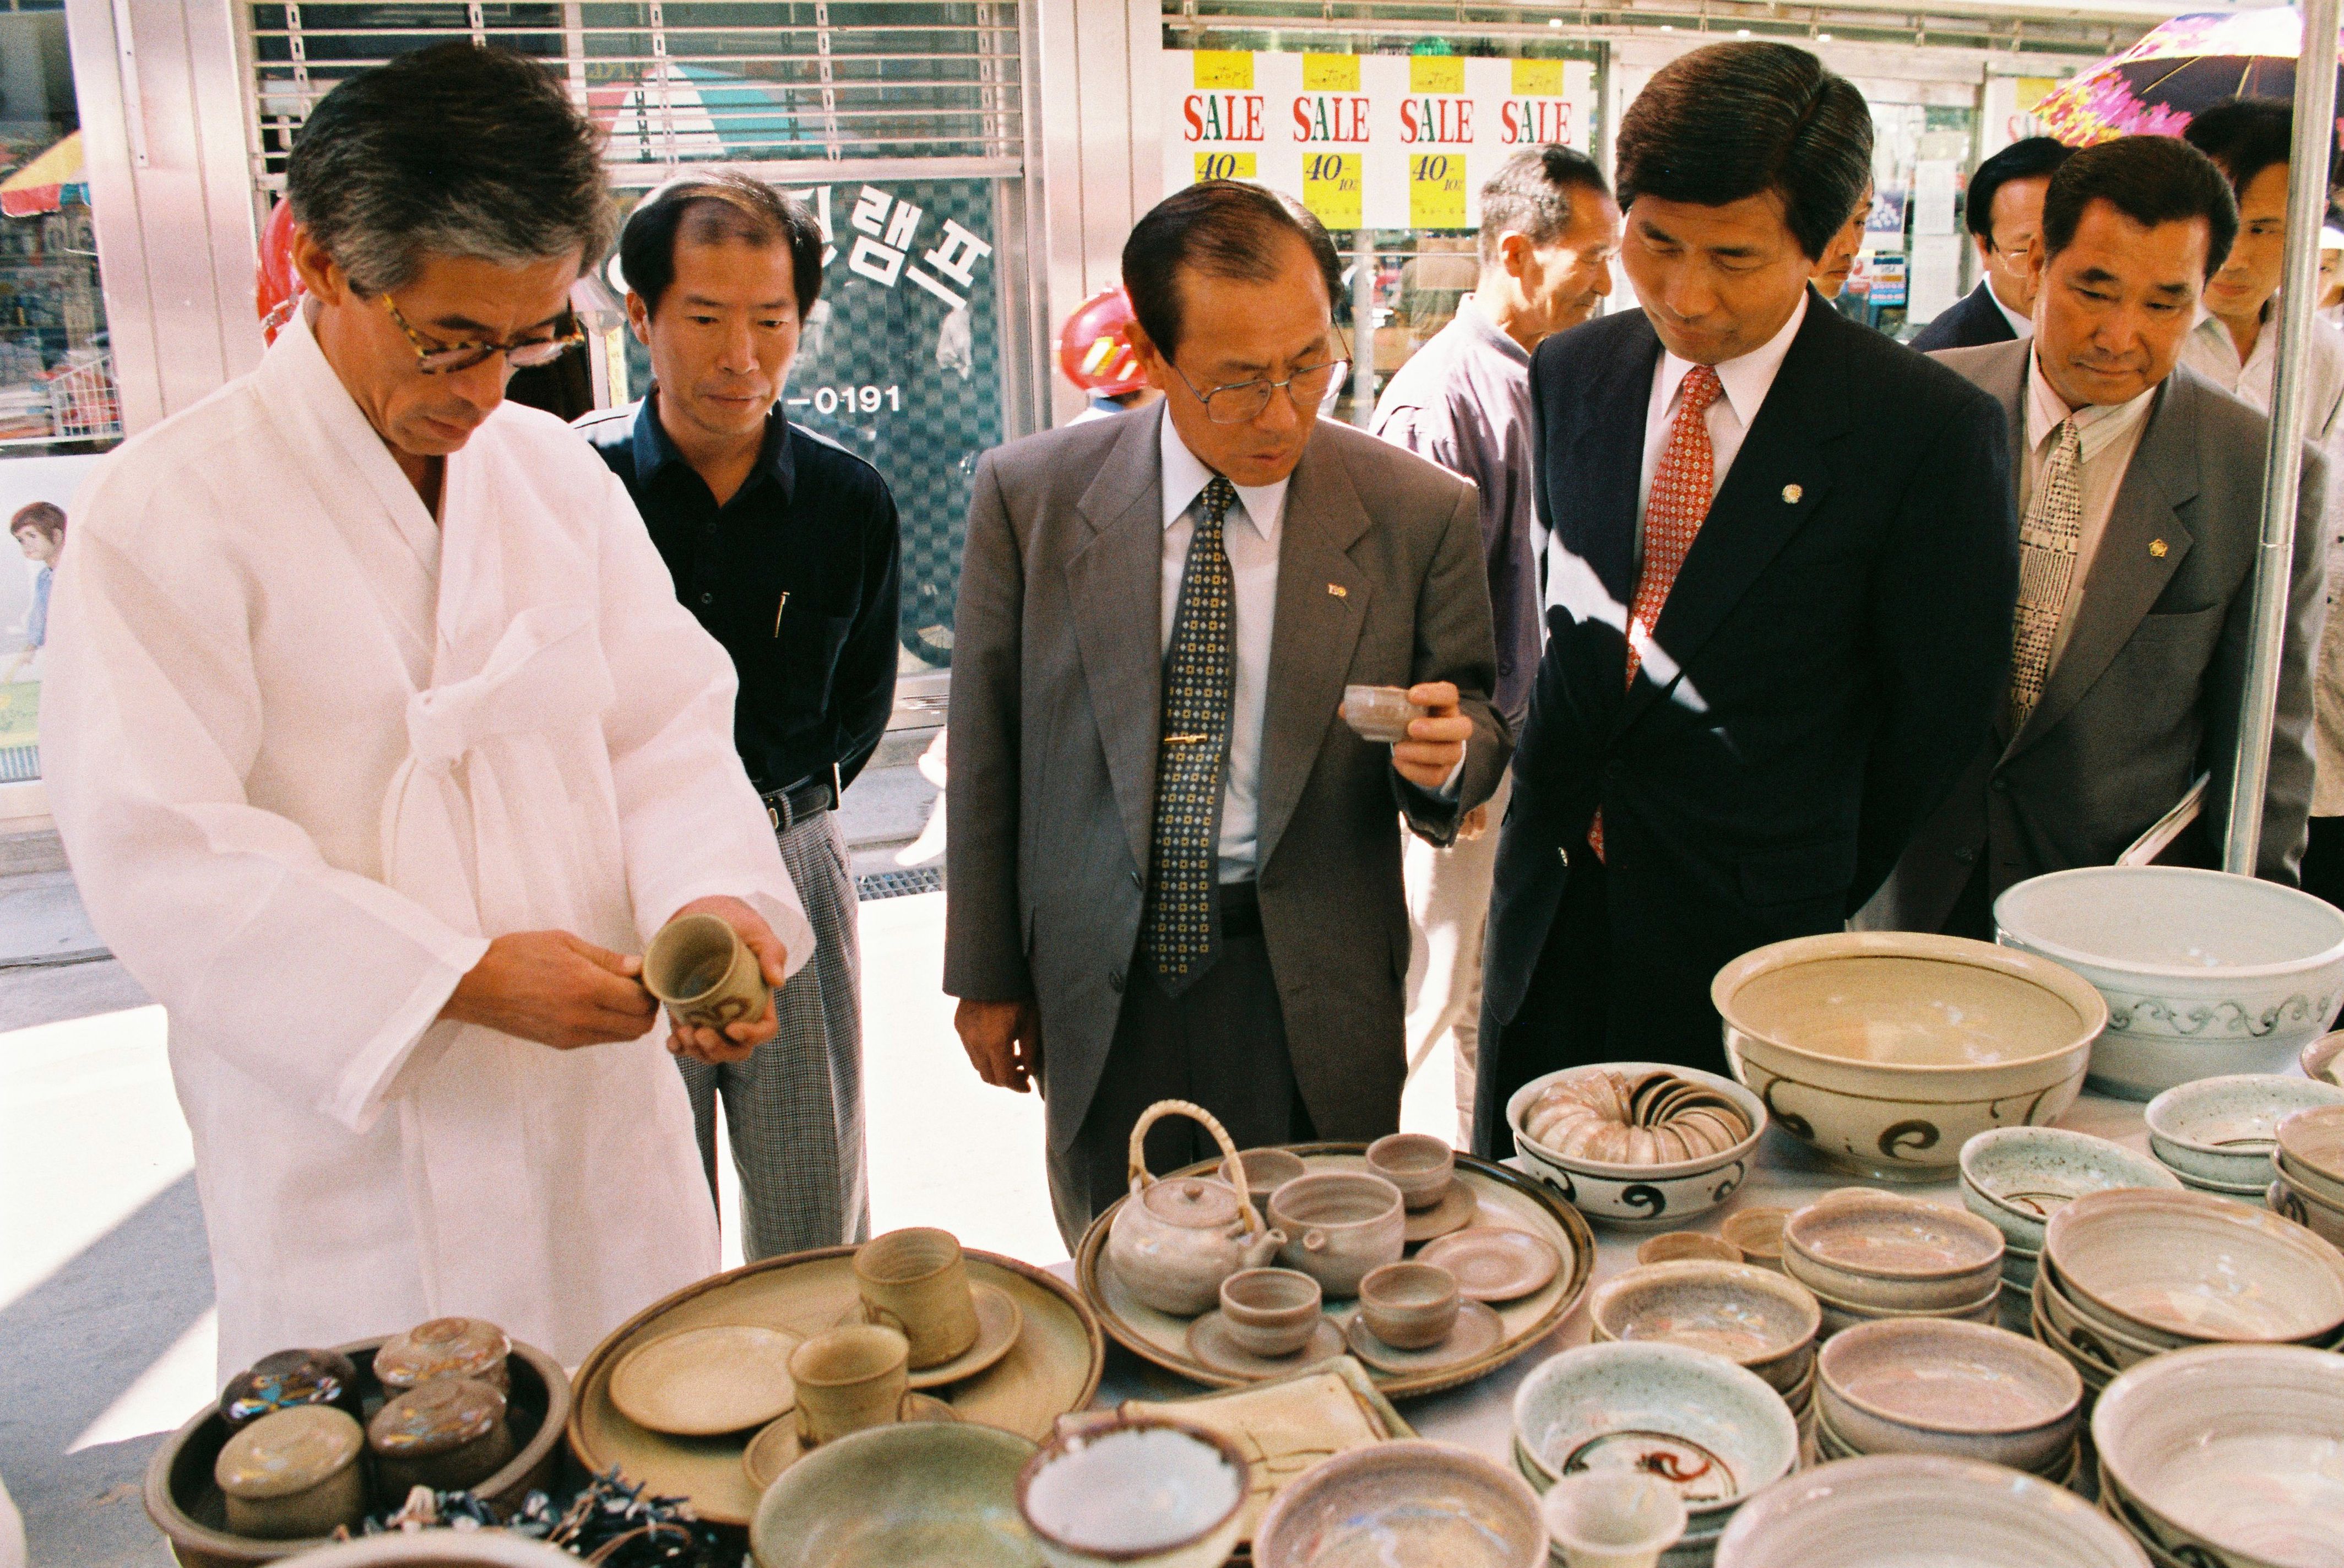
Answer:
(1409, 1306)
(293, 1473)
(1380, 713)
(701, 969)
(1265, 1171)
(848, 1379)
(1612, 1518)
(1418, 1164)
(1270, 1311)
(1676, 1245)
(916, 1282)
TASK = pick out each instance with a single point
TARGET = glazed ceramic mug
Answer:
(848, 1379)
(706, 975)
(916, 1282)
(1380, 713)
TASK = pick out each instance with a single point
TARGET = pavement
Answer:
(106, 1333)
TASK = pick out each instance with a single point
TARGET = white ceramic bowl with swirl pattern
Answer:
(2204, 973)
(1639, 1195)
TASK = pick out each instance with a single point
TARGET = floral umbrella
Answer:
(42, 185)
(2157, 85)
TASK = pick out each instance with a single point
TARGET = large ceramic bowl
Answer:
(1922, 1511)
(1754, 1318)
(918, 1492)
(1885, 1252)
(2222, 1131)
(1962, 1388)
(2203, 972)
(1411, 1502)
(2309, 1151)
(1887, 1051)
(1631, 1195)
(2306, 1209)
(2016, 1178)
(1714, 1430)
(2181, 1267)
(2233, 1455)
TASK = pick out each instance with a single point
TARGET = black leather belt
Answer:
(807, 797)
(1240, 909)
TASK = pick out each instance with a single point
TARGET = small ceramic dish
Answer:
(2194, 1268)
(1137, 1490)
(2310, 1148)
(1452, 1211)
(1408, 1502)
(1422, 1167)
(1338, 1225)
(2290, 1201)
(1687, 1246)
(910, 1491)
(1962, 1388)
(1611, 1517)
(2323, 1059)
(2016, 1178)
(1864, 1512)
(1886, 1251)
(1751, 1317)
(1757, 1231)
(1715, 1432)
(705, 1382)
(1477, 1332)
(1492, 1263)
(782, 1443)
(2221, 1131)
(1641, 1194)
(1265, 1171)
(1211, 1342)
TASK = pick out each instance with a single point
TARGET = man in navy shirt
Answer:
(786, 548)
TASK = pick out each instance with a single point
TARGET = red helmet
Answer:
(1094, 345)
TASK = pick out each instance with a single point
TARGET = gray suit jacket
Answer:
(2145, 696)
(1055, 717)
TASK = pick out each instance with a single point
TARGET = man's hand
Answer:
(1003, 1040)
(1473, 823)
(740, 1039)
(1436, 743)
(557, 989)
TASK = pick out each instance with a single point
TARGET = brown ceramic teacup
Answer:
(706, 975)
(1409, 1306)
(1418, 1164)
(1270, 1311)
(848, 1379)
(916, 1282)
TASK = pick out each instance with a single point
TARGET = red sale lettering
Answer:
(1324, 119)
(1540, 120)
(1436, 119)
(1222, 117)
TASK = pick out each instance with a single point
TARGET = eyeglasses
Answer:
(1241, 402)
(444, 359)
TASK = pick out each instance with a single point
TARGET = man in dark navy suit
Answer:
(1780, 585)
(2005, 215)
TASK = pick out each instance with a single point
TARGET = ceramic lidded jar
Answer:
(292, 1475)
(449, 1435)
(288, 1380)
(463, 1346)
(1173, 1241)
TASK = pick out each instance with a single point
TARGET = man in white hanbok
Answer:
(379, 742)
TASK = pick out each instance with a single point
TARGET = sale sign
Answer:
(1368, 141)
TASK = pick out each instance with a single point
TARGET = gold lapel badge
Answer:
(2157, 547)
(1338, 591)
(1791, 494)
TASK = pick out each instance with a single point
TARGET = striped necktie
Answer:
(1177, 933)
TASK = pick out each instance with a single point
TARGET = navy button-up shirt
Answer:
(796, 575)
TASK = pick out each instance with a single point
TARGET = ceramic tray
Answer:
(1053, 1367)
(1506, 1199)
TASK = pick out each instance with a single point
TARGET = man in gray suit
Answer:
(2139, 491)
(1172, 872)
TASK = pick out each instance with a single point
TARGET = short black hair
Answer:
(1530, 196)
(454, 150)
(2029, 157)
(709, 208)
(1223, 229)
(1736, 120)
(2245, 137)
(2150, 179)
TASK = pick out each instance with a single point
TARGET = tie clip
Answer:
(1185, 740)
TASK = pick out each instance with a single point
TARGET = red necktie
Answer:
(1682, 484)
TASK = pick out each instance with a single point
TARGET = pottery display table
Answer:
(1479, 1415)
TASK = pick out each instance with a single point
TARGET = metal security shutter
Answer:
(932, 88)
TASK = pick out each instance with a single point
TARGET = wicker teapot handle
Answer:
(1137, 1162)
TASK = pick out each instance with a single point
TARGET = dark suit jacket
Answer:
(1838, 634)
(1057, 710)
(2145, 696)
(1975, 321)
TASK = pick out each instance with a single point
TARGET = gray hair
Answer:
(1530, 196)
(453, 150)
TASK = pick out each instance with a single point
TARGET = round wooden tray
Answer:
(1053, 1367)
(1506, 1198)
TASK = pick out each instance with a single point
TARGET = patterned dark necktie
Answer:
(1177, 933)
(2048, 542)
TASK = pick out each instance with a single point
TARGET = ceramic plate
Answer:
(1505, 1197)
(913, 1493)
(1052, 1367)
(998, 1322)
(704, 1382)
(1478, 1332)
(2196, 1267)
(782, 1445)
(1455, 1211)
(1492, 1263)
(1209, 1341)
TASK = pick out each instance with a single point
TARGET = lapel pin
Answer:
(1339, 591)
(1791, 494)
(2157, 548)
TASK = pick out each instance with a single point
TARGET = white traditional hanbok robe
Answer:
(306, 751)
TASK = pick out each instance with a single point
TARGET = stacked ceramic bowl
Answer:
(1752, 1317)
(2308, 1153)
(1922, 1511)
(2016, 1178)
(2217, 1134)
(1929, 1386)
(2228, 1457)
(1712, 1430)
(1661, 1191)
(1871, 1256)
(2134, 1274)
(2204, 973)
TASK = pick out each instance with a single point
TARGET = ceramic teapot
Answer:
(1173, 1241)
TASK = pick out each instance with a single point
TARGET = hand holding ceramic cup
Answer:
(699, 966)
(916, 1282)
(848, 1379)
(1380, 713)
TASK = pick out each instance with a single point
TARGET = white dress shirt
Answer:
(2023, 325)
(1745, 380)
(2213, 353)
(2108, 434)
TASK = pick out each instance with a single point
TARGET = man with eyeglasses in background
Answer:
(2003, 211)
(380, 745)
(1172, 870)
